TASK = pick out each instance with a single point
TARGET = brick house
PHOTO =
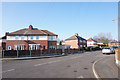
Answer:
(31, 39)
(114, 43)
(3, 42)
(91, 42)
(76, 41)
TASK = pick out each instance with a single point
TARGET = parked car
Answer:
(108, 50)
(115, 47)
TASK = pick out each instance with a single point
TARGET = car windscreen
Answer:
(106, 48)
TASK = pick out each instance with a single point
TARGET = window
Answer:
(22, 37)
(44, 47)
(31, 38)
(84, 41)
(19, 47)
(52, 47)
(16, 37)
(51, 37)
(37, 37)
(9, 47)
(84, 45)
(81, 41)
(34, 46)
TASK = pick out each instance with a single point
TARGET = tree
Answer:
(103, 37)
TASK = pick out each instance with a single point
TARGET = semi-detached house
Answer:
(31, 39)
(76, 41)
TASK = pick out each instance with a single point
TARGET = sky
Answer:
(63, 18)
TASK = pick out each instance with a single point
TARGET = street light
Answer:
(118, 28)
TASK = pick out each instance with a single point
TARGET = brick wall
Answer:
(22, 42)
(118, 56)
(73, 43)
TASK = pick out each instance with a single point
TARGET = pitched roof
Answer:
(4, 37)
(32, 31)
(114, 41)
(75, 37)
(90, 39)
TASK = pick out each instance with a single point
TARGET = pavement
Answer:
(71, 66)
(32, 57)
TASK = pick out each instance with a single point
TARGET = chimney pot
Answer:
(76, 34)
(6, 33)
(30, 27)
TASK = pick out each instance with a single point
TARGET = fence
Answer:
(19, 53)
(117, 56)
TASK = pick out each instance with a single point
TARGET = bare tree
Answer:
(103, 37)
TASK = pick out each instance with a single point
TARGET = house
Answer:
(114, 43)
(76, 41)
(31, 39)
(91, 42)
(3, 43)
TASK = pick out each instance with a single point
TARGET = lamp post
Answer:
(118, 27)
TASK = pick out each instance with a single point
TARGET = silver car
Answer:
(108, 50)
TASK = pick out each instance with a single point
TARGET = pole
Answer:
(3, 53)
(30, 52)
(40, 52)
(17, 54)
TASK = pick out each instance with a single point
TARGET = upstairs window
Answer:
(16, 37)
(37, 37)
(51, 37)
(81, 41)
(22, 37)
(31, 38)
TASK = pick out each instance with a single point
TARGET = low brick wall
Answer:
(37, 52)
(28, 52)
(117, 56)
(72, 50)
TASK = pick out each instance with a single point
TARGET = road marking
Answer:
(8, 70)
(94, 71)
(80, 77)
(40, 64)
(56, 61)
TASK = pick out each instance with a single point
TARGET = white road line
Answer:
(80, 77)
(8, 70)
(94, 71)
(40, 64)
(55, 61)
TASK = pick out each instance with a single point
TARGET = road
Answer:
(72, 66)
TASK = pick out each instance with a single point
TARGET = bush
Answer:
(92, 48)
(87, 48)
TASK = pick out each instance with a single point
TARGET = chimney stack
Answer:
(76, 34)
(6, 33)
(30, 27)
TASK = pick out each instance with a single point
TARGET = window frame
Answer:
(16, 37)
(31, 37)
(9, 47)
(37, 37)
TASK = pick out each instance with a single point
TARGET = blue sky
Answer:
(63, 18)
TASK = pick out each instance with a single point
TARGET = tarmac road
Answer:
(72, 66)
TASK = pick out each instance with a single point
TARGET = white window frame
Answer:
(22, 37)
(31, 37)
(16, 37)
(37, 37)
(19, 47)
(9, 47)
(34, 46)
